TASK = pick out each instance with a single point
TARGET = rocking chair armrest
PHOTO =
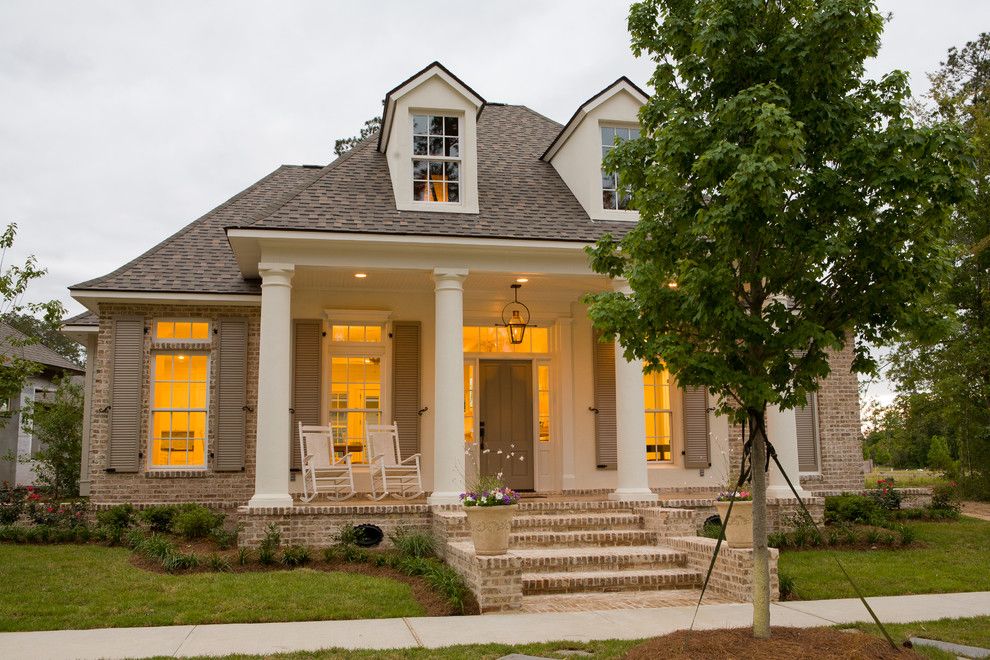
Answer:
(308, 458)
(414, 459)
(345, 459)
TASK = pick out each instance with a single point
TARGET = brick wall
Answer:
(319, 526)
(173, 485)
(733, 573)
(495, 581)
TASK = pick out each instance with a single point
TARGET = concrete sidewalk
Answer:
(433, 632)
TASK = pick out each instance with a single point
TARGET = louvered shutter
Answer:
(606, 453)
(231, 394)
(306, 370)
(806, 421)
(127, 380)
(697, 453)
(406, 384)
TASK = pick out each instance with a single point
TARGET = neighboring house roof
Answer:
(11, 345)
(520, 197)
(197, 259)
(86, 318)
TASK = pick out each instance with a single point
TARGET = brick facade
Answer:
(319, 526)
(146, 486)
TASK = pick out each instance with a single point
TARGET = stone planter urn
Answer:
(490, 527)
(739, 531)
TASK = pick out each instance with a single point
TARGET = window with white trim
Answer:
(356, 385)
(179, 409)
(614, 195)
(436, 158)
(659, 416)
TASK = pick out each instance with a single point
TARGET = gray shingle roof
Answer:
(83, 318)
(12, 344)
(198, 259)
(520, 197)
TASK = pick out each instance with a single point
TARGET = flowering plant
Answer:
(735, 496)
(490, 491)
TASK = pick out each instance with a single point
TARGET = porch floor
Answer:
(668, 497)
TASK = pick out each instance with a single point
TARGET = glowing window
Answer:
(356, 333)
(182, 330)
(614, 194)
(495, 339)
(543, 401)
(355, 401)
(436, 158)
(179, 409)
(659, 416)
(469, 402)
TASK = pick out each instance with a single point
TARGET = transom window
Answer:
(179, 409)
(182, 330)
(356, 333)
(614, 195)
(436, 158)
(659, 416)
(495, 339)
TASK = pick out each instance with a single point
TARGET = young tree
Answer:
(57, 424)
(14, 281)
(343, 145)
(786, 206)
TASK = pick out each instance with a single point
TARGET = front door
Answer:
(506, 421)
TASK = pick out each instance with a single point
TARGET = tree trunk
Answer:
(761, 556)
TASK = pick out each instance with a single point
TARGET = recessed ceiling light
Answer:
(522, 280)
(360, 276)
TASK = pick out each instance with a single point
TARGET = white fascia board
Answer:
(390, 100)
(587, 108)
(91, 298)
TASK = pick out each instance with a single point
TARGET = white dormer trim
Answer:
(392, 97)
(623, 84)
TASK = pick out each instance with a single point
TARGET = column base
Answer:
(437, 498)
(633, 495)
(784, 492)
(270, 501)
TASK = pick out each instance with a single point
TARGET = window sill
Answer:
(181, 345)
(662, 466)
(190, 473)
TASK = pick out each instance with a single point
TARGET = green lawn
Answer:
(973, 631)
(87, 586)
(906, 478)
(954, 559)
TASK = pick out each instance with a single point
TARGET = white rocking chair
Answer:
(390, 473)
(323, 473)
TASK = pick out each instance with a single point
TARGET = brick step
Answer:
(536, 505)
(579, 538)
(577, 520)
(546, 560)
(606, 581)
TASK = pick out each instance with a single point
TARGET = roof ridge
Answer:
(538, 114)
(184, 230)
(332, 165)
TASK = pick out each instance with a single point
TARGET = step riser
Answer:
(525, 525)
(539, 506)
(609, 584)
(581, 539)
(559, 564)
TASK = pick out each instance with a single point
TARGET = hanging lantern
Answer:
(515, 317)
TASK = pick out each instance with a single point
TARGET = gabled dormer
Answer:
(576, 153)
(430, 138)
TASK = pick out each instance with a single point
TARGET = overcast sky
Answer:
(122, 122)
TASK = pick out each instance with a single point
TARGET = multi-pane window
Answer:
(356, 333)
(182, 330)
(543, 401)
(614, 194)
(436, 158)
(355, 385)
(659, 415)
(495, 339)
(179, 409)
(469, 402)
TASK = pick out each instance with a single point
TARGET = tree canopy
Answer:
(343, 145)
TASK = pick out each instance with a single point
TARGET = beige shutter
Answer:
(406, 383)
(697, 453)
(306, 373)
(231, 394)
(806, 420)
(127, 381)
(606, 453)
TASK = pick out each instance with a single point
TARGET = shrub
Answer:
(295, 555)
(156, 547)
(117, 518)
(448, 582)
(712, 530)
(347, 535)
(945, 499)
(178, 561)
(414, 544)
(873, 536)
(218, 563)
(777, 540)
(11, 503)
(786, 585)
(268, 548)
(196, 522)
(133, 538)
(159, 517)
(225, 538)
(243, 556)
(57, 424)
(907, 534)
(885, 495)
(853, 509)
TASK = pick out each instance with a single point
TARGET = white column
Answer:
(782, 433)
(630, 427)
(448, 397)
(565, 395)
(271, 479)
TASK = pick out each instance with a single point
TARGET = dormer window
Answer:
(436, 158)
(614, 195)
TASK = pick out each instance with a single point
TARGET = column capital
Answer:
(449, 278)
(275, 273)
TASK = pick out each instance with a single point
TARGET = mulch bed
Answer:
(434, 603)
(790, 643)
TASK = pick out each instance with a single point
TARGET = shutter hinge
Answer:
(323, 334)
(422, 410)
(594, 410)
(251, 409)
(110, 470)
(104, 409)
